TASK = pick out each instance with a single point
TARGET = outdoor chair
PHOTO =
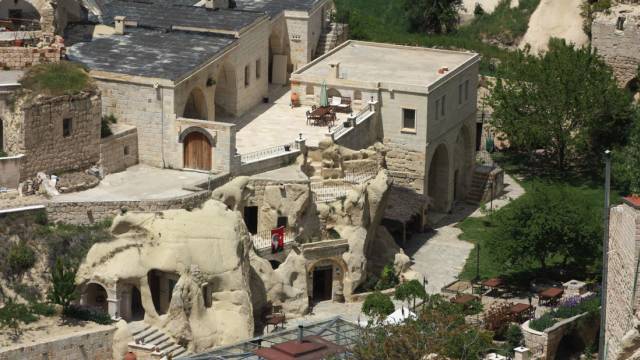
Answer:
(275, 316)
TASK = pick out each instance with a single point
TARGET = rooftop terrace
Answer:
(375, 62)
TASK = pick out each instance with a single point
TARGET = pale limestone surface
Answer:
(160, 241)
(139, 182)
(555, 18)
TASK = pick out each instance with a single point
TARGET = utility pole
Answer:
(605, 255)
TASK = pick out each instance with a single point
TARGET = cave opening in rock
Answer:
(137, 310)
(322, 283)
(161, 285)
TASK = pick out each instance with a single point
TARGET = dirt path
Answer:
(555, 18)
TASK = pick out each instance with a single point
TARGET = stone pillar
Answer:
(521, 353)
(352, 119)
(119, 24)
(301, 144)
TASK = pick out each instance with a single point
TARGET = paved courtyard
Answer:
(139, 182)
(276, 123)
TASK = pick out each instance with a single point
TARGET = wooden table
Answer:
(493, 283)
(463, 299)
(522, 312)
(550, 295)
(320, 114)
(275, 320)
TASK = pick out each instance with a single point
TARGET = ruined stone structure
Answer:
(54, 133)
(616, 35)
(427, 102)
(622, 339)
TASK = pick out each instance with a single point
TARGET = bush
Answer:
(514, 336)
(30, 293)
(105, 131)
(388, 278)
(42, 309)
(377, 305)
(543, 322)
(478, 10)
(13, 314)
(87, 314)
(64, 291)
(64, 78)
(21, 258)
(568, 308)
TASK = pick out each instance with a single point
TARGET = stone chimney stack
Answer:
(334, 73)
(522, 353)
(119, 24)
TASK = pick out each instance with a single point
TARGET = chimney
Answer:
(443, 70)
(334, 73)
(522, 353)
(119, 20)
(209, 4)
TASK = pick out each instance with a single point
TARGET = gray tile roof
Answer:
(273, 7)
(165, 55)
(165, 15)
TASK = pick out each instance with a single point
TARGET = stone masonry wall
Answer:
(119, 151)
(83, 213)
(46, 148)
(18, 58)
(619, 47)
(93, 344)
(624, 244)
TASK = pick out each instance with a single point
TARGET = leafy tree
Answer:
(626, 163)
(439, 328)
(548, 221)
(377, 305)
(410, 291)
(433, 16)
(12, 314)
(388, 278)
(565, 102)
(64, 291)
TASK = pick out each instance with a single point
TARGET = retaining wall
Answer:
(18, 58)
(267, 164)
(363, 135)
(95, 344)
(545, 344)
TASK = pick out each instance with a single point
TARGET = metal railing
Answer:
(267, 153)
(339, 130)
(262, 239)
(362, 175)
(322, 192)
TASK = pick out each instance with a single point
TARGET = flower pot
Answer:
(287, 148)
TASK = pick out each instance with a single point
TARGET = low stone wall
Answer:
(10, 171)
(270, 163)
(89, 212)
(120, 150)
(18, 58)
(363, 135)
(95, 344)
(545, 344)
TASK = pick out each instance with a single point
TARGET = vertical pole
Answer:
(605, 255)
(477, 261)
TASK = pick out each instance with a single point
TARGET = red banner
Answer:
(277, 239)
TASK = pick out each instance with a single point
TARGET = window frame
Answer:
(247, 75)
(67, 131)
(405, 129)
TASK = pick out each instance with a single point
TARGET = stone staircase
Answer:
(331, 37)
(479, 183)
(154, 341)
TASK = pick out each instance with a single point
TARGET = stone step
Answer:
(144, 334)
(179, 352)
(165, 345)
(137, 330)
(157, 339)
(172, 348)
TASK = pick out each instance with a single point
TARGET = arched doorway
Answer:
(196, 105)
(96, 297)
(439, 179)
(137, 310)
(463, 158)
(333, 92)
(326, 276)
(197, 151)
(161, 285)
(21, 14)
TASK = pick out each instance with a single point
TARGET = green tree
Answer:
(433, 16)
(64, 291)
(565, 101)
(12, 314)
(626, 163)
(549, 221)
(377, 305)
(410, 291)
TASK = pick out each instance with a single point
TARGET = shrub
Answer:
(64, 290)
(543, 322)
(28, 292)
(13, 314)
(105, 131)
(478, 10)
(21, 258)
(388, 278)
(410, 291)
(514, 336)
(57, 79)
(498, 318)
(87, 314)
(377, 305)
(42, 309)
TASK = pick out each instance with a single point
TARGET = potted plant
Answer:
(287, 147)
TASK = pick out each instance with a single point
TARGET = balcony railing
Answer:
(267, 153)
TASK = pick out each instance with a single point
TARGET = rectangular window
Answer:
(258, 69)
(408, 119)
(466, 90)
(66, 127)
(460, 94)
(246, 75)
(437, 109)
(444, 106)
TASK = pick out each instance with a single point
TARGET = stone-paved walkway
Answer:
(439, 255)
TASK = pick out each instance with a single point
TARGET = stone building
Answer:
(427, 102)
(54, 134)
(622, 339)
(616, 35)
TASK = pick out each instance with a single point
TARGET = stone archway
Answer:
(196, 105)
(463, 159)
(438, 189)
(197, 152)
(95, 296)
(333, 92)
(326, 276)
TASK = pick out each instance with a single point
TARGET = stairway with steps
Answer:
(479, 183)
(162, 345)
(330, 38)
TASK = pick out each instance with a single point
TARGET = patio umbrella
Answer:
(324, 100)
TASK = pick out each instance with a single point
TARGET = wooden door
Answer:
(197, 152)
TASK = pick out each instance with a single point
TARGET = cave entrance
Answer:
(96, 297)
(161, 285)
(322, 283)
(137, 310)
(251, 218)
